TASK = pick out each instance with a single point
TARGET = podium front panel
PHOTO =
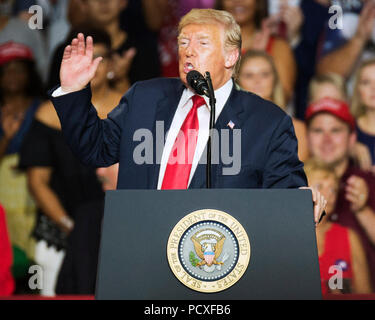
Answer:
(133, 260)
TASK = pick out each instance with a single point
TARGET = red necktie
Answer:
(177, 171)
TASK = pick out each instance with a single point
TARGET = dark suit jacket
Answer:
(268, 142)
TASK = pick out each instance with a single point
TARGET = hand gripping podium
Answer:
(208, 244)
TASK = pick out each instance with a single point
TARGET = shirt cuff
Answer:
(58, 92)
(295, 41)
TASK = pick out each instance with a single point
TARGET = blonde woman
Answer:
(325, 85)
(363, 106)
(258, 74)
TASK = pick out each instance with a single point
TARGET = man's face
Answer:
(329, 139)
(201, 48)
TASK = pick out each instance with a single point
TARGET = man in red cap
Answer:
(331, 135)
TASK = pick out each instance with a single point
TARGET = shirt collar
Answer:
(221, 95)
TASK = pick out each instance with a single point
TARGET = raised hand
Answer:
(122, 63)
(262, 36)
(357, 193)
(293, 17)
(366, 21)
(78, 66)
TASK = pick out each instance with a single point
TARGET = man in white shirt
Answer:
(209, 40)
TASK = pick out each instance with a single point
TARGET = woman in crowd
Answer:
(258, 74)
(339, 248)
(327, 85)
(251, 15)
(20, 95)
(58, 181)
(333, 86)
(363, 106)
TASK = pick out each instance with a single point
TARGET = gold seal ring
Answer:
(208, 250)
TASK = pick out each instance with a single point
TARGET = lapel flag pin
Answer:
(231, 124)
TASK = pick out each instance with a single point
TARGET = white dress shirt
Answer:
(184, 106)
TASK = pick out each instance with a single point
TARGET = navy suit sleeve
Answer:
(94, 141)
(282, 168)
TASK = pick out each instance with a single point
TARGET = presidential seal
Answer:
(208, 250)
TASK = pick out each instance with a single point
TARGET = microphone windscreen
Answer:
(197, 82)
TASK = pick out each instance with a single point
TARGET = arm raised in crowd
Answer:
(286, 66)
(343, 59)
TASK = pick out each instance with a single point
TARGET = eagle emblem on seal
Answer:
(208, 245)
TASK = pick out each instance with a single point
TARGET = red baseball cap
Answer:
(11, 50)
(338, 108)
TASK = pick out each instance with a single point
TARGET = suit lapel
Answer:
(232, 111)
(166, 108)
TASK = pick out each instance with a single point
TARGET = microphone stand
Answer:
(212, 101)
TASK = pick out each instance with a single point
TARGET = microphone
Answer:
(198, 83)
(204, 86)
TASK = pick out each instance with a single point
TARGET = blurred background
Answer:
(315, 59)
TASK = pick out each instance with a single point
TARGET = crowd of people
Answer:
(323, 76)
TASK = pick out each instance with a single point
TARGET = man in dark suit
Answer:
(257, 136)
